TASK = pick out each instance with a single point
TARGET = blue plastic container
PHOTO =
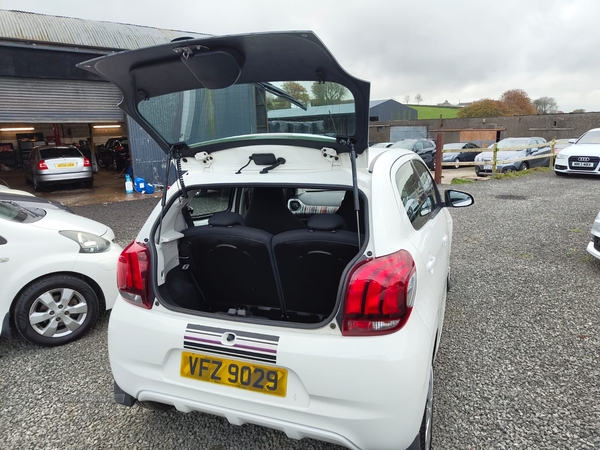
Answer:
(139, 185)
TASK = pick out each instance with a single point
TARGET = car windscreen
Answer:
(591, 137)
(508, 143)
(15, 213)
(286, 109)
(408, 144)
(57, 152)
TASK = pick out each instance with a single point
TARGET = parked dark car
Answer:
(458, 156)
(422, 147)
(50, 165)
(114, 154)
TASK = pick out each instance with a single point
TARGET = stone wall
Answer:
(548, 126)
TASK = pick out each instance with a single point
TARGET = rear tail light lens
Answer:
(41, 165)
(86, 162)
(133, 275)
(380, 295)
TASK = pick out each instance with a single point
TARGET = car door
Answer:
(424, 152)
(423, 206)
(541, 162)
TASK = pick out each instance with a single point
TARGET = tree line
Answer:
(322, 94)
(513, 102)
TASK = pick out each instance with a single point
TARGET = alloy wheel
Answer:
(58, 312)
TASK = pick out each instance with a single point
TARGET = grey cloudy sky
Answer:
(455, 50)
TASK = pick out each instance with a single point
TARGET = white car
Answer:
(274, 287)
(57, 270)
(593, 247)
(582, 157)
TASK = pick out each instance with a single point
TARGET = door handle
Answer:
(445, 240)
(430, 264)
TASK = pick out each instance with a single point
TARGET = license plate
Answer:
(64, 165)
(487, 167)
(242, 375)
(582, 164)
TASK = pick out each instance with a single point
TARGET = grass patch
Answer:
(460, 181)
(434, 112)
(521, 173)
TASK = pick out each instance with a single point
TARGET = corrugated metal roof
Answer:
(26, 26)
(374, 103)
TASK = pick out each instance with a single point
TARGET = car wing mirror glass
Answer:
(458, 199)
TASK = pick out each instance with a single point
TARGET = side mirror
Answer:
(458, 199)
(572, 141)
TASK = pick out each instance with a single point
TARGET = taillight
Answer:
(86, 162)
(132, 275)
(380, 295)
(41, 165)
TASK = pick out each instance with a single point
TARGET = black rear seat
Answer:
(311, 262)
(231, 263)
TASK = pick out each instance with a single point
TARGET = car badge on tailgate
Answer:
(240, 344)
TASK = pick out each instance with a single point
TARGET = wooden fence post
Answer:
(439, 145)
(495, 159)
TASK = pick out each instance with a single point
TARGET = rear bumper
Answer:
(75, 177)
(358, 395)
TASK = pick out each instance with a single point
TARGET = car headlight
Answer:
(561, 156)
(88, 242)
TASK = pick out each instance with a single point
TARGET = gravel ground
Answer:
(518, 367)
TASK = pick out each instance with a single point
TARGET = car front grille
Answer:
(594, 160)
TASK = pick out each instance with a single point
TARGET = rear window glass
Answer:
(209, 201)
(49, 153)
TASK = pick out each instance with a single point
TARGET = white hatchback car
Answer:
(285, 280)
(57, 270)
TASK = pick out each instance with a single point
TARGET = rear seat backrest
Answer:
(231, 263)
(268, 211)
(311, 262)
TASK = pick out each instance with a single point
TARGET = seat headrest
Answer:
(326, 222)
(225, 219)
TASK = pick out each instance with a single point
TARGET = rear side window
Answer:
(417, 192)
(209, 201)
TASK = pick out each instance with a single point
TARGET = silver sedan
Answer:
(49, 165)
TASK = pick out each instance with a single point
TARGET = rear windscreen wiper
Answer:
(280, 93)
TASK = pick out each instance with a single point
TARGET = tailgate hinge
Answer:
(205, 159)
(331, 155)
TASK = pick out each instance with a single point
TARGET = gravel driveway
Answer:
(519, 363)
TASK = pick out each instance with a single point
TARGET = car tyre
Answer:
(509, 169)
(36, 186)
(457, 160)
(56, 310)
(89, 184)
(425, 432)
(524, 166)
